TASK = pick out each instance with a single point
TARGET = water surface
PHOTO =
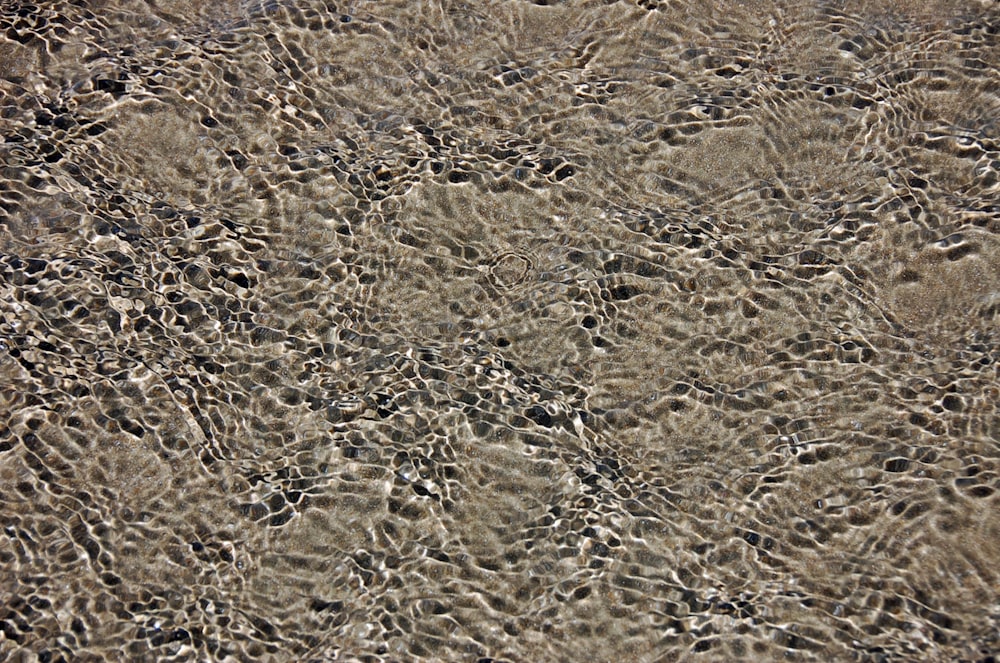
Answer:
(593, 330)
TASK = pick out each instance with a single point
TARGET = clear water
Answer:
(602, 331)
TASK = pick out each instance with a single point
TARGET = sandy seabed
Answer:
(468, 331)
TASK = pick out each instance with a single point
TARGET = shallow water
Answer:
(596, 331)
